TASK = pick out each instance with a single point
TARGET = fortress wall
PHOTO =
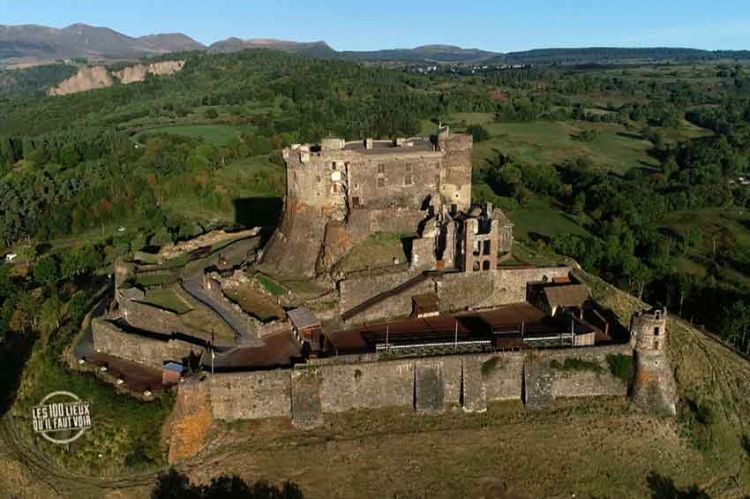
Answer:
(457, 291)
(148, 318)
(251, 395)
(160, 321)
(370, 385)
(473, 389)
(427, 385)
(452, 372)
(306, 406)
(408, 178)
(491, 288)
(455, 181)
(582, 382)
(356, 291)
(654, 387)
(501, 375)
(111, 340)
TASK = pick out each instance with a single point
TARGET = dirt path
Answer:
(42, 477)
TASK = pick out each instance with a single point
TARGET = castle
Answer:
(291, 333)
(339, 193)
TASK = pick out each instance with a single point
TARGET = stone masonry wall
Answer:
(491, 288)
(362, 386)
(456, 291)
(111, 340)
(356, 291)
(428, 385)
(547, 377)
(252, 395)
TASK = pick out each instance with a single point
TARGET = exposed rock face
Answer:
(134, 74)
(189, 426)
(87, 79)
(91, 78)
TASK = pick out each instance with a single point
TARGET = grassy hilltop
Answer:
(593, 448)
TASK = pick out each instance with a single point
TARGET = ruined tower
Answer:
(339, 193)
(654, 387)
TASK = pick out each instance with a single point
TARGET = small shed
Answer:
(425, 305)
(171, 372)
(307, 327)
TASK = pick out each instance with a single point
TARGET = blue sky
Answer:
(499, 25)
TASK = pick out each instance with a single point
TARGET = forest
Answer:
(643, 166)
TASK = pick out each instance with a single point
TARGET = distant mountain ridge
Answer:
(39, 43)
(424, 53)
(31, 44)
(313, 49)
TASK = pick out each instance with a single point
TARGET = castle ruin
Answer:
(654, 386)
(286, 332)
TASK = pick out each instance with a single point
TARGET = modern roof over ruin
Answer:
(505, 319)
(303, 318)
(426, 301)
(569, 295)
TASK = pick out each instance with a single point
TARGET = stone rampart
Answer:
(356, 291)
(426, 385)
(456, 291)
(362, 386)
(111, 340)
(252, 395)
(148, 318)
(576, 372)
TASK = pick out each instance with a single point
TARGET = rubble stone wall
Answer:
(111, 340)
(426, 385)
(252, 395)
(456, 291)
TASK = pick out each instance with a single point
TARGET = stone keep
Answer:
(654, 387)
(341, 192)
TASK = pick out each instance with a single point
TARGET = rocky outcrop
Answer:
(138, 73)
(86, 79)
(91, 78)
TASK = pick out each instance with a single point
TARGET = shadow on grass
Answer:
(174, 484)
(631, 135)
(258, 212)
(15, 350)
(664, 488)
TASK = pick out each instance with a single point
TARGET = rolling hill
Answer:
(32, 44)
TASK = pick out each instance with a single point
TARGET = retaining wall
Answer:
(111, 340)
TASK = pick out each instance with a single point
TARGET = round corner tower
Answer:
(648, 330)
(654, 387)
